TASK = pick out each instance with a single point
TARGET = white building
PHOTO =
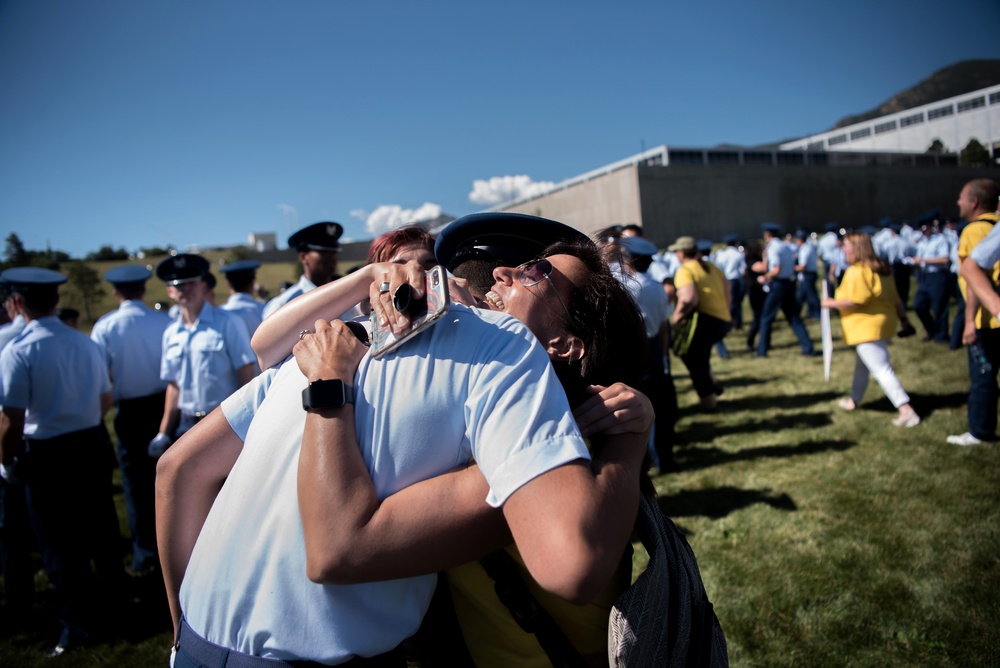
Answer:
(954, 121)
(262, 241)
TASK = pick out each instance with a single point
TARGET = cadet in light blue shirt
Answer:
(806, 266)
(130, 339)
(931, 301)
(318, 246)
(206, 353)
(778, 270)
(240, 276)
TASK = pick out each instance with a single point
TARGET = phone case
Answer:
(436, 305)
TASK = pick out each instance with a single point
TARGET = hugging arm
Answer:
(351, 536)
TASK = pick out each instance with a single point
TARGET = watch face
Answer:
(324, 394)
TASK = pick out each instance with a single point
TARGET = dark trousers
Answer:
(738, 286)
(67, 484)
(806, 294)
(697, 358)
(781, 298)
(137, 421)
(901, 276)
(658, 386)
(958, 324)
(983, 391)
(931, 304)
(16, 544)
(756, 296)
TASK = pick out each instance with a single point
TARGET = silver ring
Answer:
(383, 287)
(303, 333)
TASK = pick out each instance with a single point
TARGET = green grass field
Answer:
(825, 538)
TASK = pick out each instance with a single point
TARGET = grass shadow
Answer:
(705, 431)
(767, 402)
(695, 459)
(718, 502)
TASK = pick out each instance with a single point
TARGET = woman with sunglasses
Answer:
(565, 297)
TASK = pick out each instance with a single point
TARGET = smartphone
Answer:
(423, 313)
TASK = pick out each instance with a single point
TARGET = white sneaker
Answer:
(964, 439)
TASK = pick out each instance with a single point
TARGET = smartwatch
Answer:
(327, 394)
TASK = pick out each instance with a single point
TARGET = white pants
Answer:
(873, 358)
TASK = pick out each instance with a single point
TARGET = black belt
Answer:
(195, 417)
(209, 654)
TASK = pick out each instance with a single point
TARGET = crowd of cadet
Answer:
(165, 373)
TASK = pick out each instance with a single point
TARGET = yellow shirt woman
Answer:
(710, 283)
(874, 316)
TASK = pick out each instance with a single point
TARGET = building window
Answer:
(791, 158)
(839, 139)
(756, 158)
(681, 157)
(723, 158)
(861, 134)
(885, 127)
(995, 97)
(816, 146)
(969, 105)
(911, 120)
(940, 112)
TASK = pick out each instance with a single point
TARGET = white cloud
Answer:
(390, 216)
(360, 214)
(501, 189)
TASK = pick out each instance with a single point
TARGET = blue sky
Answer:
(139, 123)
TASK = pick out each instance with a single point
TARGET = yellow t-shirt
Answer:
(495, 640)
(973, 233)
(710, 282)
(875, 316)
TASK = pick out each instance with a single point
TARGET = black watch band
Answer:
(327, 394)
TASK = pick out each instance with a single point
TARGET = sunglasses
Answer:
(534, 272)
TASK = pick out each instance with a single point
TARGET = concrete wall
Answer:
(610, 199)
(709, 202)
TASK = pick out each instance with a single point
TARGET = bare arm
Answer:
(980, 287)
(171, 413)
(441, 522)
(188, 478)
(687, 301)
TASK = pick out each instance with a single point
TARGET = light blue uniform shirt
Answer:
(248, 308)
(933, 247)
(203, 358)
(731, 261)
(11, 330)
(780, 255)
(807, 256)
(130, 338)
(663, 266)
(826, 245)
(987, 252)
(57, 375)
(303, 286)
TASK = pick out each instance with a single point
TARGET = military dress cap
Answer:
(684, 245)
(896, 227)
(323, 236)
(867, 229)
(927, 217)
(704, 245)
(514, 238)
(773, 228)
(129, 273)
(182, 268)
(242, 265)
(832, 226)
(637, 246)
(801, 233)
(885, 222)
(731, 239)
(32, 277)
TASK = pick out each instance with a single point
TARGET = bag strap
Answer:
(529, 614)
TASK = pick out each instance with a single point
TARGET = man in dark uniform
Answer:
(54, 389)
(318, 246)
(130, 338)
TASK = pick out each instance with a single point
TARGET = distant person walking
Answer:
(870, 312)
(131, 339)
(777, 276)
